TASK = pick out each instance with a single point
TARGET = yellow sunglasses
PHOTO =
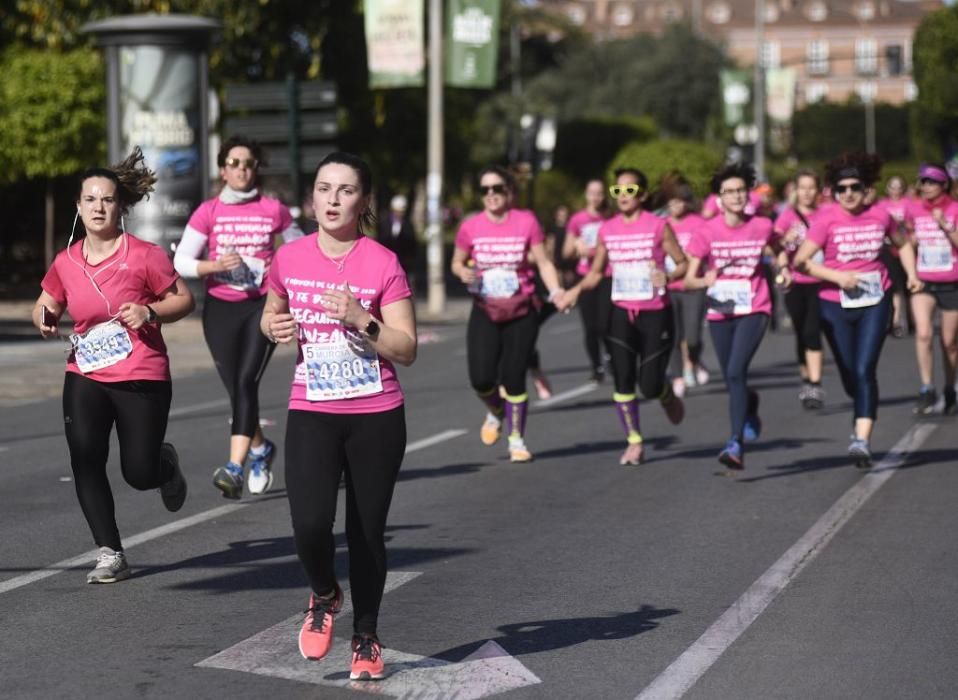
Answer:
(628, 190)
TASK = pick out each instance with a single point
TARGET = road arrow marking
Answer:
(273, 652)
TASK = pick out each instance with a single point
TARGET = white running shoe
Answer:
(110, 567)
(260, 476)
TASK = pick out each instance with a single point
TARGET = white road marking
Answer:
(198, 407)
(273, 652)
(565, 395)
(687, 669)
(87, 558)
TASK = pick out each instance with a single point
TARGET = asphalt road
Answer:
(802, 578)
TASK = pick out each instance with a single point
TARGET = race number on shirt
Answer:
(731, 297)
(590, 234)
(249, 275)
(499, 283)
(102, 346)
(934, 258)
(867, 293)
(632, 282)
(343, 369)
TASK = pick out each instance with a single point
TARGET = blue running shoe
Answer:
(260, 474)
(732, 456)
(229, 480)
(752, 428)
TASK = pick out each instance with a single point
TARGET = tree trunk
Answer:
(48, 226)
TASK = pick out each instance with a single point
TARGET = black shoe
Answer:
(950, 407)
(173, 492)
(597, 376)
(926, 402)
(814, 397)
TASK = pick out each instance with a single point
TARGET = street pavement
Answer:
(570, 577)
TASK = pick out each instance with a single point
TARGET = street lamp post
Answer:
(759, 88)
(434, 252)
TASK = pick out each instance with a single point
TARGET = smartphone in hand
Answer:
(48, 318)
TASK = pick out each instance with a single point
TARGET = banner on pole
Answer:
(394, 43)
(736, 95)
(472, 43)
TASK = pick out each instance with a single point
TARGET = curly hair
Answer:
(742, 171)
(854, 164)
(240, 141)
(133, 179)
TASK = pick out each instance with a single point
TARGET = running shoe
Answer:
(702, 376)
(541, 382)
(491, 430)
(732, 456)
(950, 407)
(598, 375)
(229, 480)
(688, 376)
(316, 635)
(633, 455)
(367, 664)
(927, 398)
(674, 409)
(110, 567)
(753, 424)
(518, 452)
(173, 492)
(678, 387)
(860, 454)
(814, 398)
(260, 475)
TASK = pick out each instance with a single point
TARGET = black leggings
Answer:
(90, 408)
(649, 340)
(500, 351)
(241, 353)
(801, 301)
(370, 448)
(595, 306)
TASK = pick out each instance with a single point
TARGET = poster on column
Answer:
(394, 43)
(160, 113)
(472, 43)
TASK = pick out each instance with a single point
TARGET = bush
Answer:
(585, 146)
(694, 160)
(825, 129)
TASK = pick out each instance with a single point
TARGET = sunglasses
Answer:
(237, 162)
(930, 181)
(628, 190)
(854, 187)
(492, 189)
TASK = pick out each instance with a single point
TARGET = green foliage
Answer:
(825, 129)
(585, 146)
(51, 112)
(694, 160)
(552, 188)
(935, 57)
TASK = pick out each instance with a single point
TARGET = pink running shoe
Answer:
(543, 387)
(316, 635)
(633, 455)
(367, 664)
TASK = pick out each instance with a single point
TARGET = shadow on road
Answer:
(546, 635)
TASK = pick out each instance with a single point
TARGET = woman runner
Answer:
(118, 290)
(238, 229)
(492, 258)
(345, 300)
(933, 219)
(635, 244)
(731, 245)
(855, 304)
(895, 202)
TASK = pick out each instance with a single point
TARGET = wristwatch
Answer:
(150, 314)
(372, 329)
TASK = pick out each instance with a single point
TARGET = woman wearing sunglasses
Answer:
(730, 247)
(230, 240)
(933, 218)
(801, 296)
(118, 290)
(635, 244)
(854, 299)
(492, 257)
(595, 305)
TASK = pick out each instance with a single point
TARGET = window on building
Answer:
(771, 54)
(866, 56)
(816, 54)
(816, 11)
(867, 91)
(719, 12)
(622, 16)
(815, 92)
(576, 14)
(865, 10)
(894, 63)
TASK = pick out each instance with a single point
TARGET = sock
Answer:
(258, 451)
(627, 408)
(493, 401)
(516, 409)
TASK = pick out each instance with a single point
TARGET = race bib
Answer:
(590, 234)
(249, 275)
(499, 283)
(731, 297)
(102, 346)
(669, 265)
(934, 258)
(341, 370)
(867, 293)
(632, 282)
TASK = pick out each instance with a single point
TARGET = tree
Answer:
(694, 160)
(51, 118)
(935, 57)
(825, 129)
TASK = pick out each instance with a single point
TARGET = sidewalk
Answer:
(31, 369)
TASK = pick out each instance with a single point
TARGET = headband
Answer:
(933, 172)
(852, 171)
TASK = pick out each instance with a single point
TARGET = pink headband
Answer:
(933, 173)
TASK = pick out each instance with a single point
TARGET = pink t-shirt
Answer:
(790, 222)
(585, 225)
(501, 252)
(300, 273)
(138, 272)
(937, 256)
(851, 242)
(736, 253)
(248, 228)
(684, 229)
(635, 247)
